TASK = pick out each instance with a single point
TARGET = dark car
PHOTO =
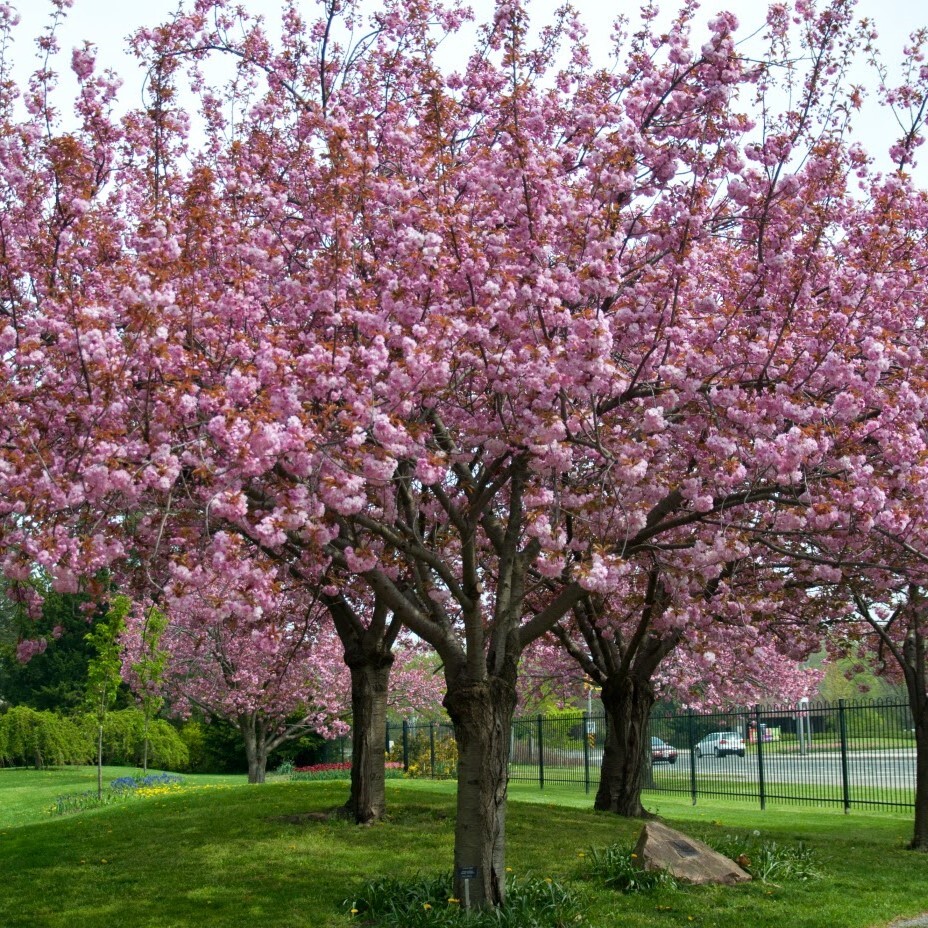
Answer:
(662, 752)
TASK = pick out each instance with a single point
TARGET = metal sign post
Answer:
(467, 874)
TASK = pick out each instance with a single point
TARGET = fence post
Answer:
(691, 731)
(541, 753)
(587, 731)
(759, 739)
(405, 746)
(842, 723)
(432, 749)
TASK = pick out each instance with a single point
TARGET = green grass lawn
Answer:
(218, 854)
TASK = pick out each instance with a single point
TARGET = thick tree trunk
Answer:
(255, 750)
(920, 835)
(914, 661)
(627, 704)
(370, 679)
(482, 717)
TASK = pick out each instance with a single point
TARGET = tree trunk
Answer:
(145, 747)
(627, 704)
(370, 678)
(255, 749)
(100, 762)
(920, 835)
(482, 716)
(914, 661)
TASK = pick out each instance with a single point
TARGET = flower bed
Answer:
(341, 771)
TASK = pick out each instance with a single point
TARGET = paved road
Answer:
(889, 769)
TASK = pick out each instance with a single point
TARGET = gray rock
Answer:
(662, 848)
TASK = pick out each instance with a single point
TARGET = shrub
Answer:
(213, 746)
(166, 749)
(39, 739)
(420, 755)
(123, 740)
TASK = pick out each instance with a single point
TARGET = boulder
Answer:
(662, 848)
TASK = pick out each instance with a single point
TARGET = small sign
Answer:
(467, 873)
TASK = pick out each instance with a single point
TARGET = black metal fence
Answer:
(850, 753)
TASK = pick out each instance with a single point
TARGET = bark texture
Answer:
(920, 833)
(915, 658)
(627, 703)
(482, 716)
(256, 748)
(370, 679)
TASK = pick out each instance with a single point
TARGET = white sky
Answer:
(106, 23)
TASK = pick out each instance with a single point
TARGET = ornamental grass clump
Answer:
(70, 803)
(616, 865)
(770, 861)
(429, 902)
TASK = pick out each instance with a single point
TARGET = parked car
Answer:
(662, 752)
(721, 743)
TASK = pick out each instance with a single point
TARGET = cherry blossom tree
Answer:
(273, 676)
(266, 657)
(893, 620)
(466, 348)
(741, 641)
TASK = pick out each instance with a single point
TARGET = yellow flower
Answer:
(634, 856)
(581, 854)
(547, 879)
(426, 906)
(354, 911)
(453, 901)
(509, 869)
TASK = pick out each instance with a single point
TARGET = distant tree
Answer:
(55, 676)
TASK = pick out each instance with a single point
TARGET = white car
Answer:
(721, 743)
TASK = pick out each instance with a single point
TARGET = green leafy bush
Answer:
(166, 749)
(40, 739)
(123, 740)
(420, 755)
